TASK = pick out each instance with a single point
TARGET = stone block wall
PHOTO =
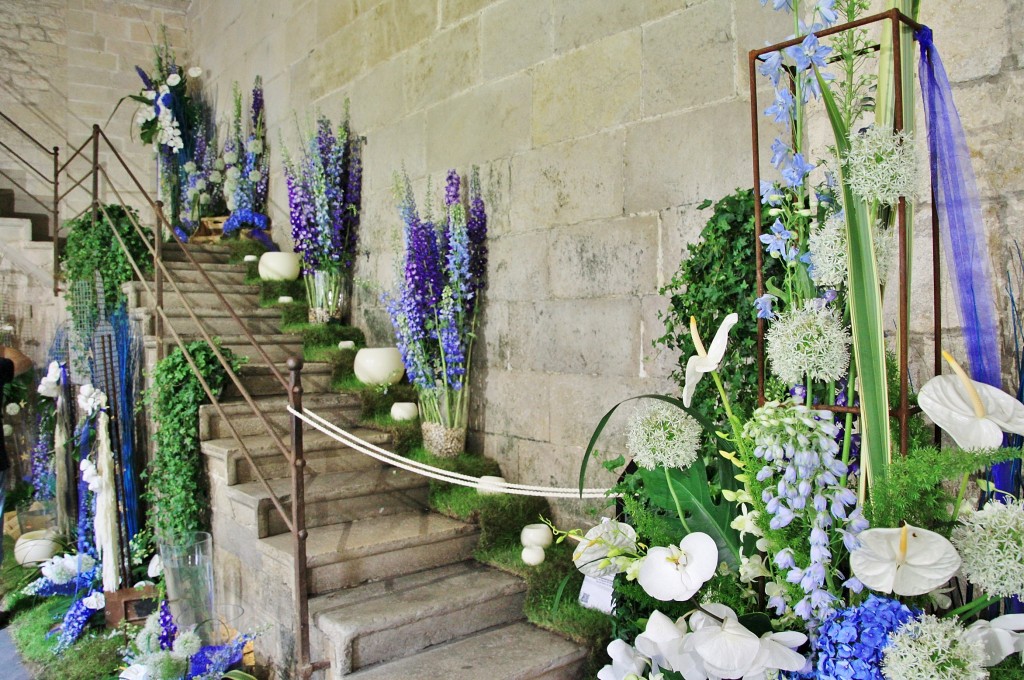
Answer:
(599, 125)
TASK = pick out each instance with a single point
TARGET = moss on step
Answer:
(240, 247)
(270, 291)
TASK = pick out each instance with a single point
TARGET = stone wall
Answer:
(599, 126)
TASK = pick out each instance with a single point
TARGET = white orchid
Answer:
(705, 361)
(49, 386)
(906, 561)
(600, 553)
(999, 638)
(777, 653)
(974, 414)
(90, 475)
(156, 567)
(96, 601)
(725, 646)
(662, 643)
(678, 572)
(91, 400)
(625, 662)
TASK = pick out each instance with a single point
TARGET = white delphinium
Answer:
(881, 165)
(808, 342)
(827, 245)
(931, 648)
(187, 644)
(991, 544)
(660, 434)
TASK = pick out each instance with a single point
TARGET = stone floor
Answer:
(9, 659)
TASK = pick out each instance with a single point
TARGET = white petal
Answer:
(702, 555)
(1001, 408)
(945, 401)
(717, 349)
(996, 643)
(1009, 622)
(659, 577)
(729, 650)
(930, 561)
(661, 641)
(777, 652)
(693, 376)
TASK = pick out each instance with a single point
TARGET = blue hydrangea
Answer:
(851, 643)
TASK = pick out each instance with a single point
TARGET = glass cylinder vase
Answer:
(188, 571)
(327, 295)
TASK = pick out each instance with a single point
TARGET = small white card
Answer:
(596, 593)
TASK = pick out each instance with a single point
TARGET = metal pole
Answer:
(95, 174)
(901, 221)
(299, 532)
(56, 220)
(158, 279)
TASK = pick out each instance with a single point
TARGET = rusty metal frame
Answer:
(903, 410)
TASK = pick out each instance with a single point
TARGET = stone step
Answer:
(330, 498)
(342, 409)
(377, 548)
(259, 381)
(15, 229)
(518, 651)
(385, 620)
(218, 274)
(279, 347)
(203, 254)
(198, 295)
(217, 321)
(323, 455)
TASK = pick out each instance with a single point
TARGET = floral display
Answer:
(324, 187)
(435, 307)
(803, 547)
(245, 163)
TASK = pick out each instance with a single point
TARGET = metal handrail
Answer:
(294, 521)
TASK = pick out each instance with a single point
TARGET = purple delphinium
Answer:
(476, 228)
(74, 623)
(168, 629)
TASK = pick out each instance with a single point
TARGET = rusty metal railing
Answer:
(295, 519)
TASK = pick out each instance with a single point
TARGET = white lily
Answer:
(726, 647)
(591, 555)
(678, 572)
(906, 561)
(999, 638)
(625, 662)
(705, 361)
(974, 414)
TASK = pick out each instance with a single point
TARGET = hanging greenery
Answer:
(176, 489)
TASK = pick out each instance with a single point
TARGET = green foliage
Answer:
(13, 576)
(718, 278)
(252, 274)
(93, 249)
(914, 490)
(405, 434)
(240, 247)
(176, 487)
(294, 315)
(1009, 669)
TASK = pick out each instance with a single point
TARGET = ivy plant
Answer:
(176, 488)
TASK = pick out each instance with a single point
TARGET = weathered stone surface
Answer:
(458, 137)
(568, 183)
(587, 90)
(398, 145)
(514, 34)
(578, 22)
(456, 10)
(519, 268)
(599, 259)
(378, 98)
(676, 79)
(981, 41)
(590, 397)
(447, 63)
(756, 26)
(530, 418)
(680, 226)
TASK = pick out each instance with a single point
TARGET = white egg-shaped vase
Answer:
(279, 266)
(538, 535)
(532, 555)
(35, 547)
(379, 365)
(405, 410)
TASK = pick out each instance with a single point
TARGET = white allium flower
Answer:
(991, 544)
(218, 164)
(233, 173)
(216, 177)
(195, 72)
(8, 430)
(809, 342)
(173, 79)
(190, 167)
(661, 434)
(254, 176)
(882, 165)
(13, 409)
(255, 146)
(931, 648)
(886, 251)
(192, 192)
(187, 644)
(204, 198)
(230, 157)
(201, 185)
(827, 245)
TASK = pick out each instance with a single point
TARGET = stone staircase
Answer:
(394, 591)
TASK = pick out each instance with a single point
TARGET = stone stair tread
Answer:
(382, 605)
(201, 312)
(280, 401)
(262, 445)
(241, 339)
(518, 651)
(186, 287)
(374, 535)
(330, 485)
(210, 266)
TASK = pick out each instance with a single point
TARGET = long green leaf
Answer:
(702, 513)
(704, 422)
(865, 315)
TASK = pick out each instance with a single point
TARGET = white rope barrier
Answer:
(390, 458)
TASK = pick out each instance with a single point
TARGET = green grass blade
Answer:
(865, 315)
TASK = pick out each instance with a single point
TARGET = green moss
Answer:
(329, 335)
(252, 273)
(405, 434)
(240, 247)
(1009, 669)
(294, 316)
(13, 576)
(270, 291)
(377, 402)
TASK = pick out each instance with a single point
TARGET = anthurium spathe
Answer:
(974, 414)
(705, 361)
(678, 572)
(605, 549)
(905, 561)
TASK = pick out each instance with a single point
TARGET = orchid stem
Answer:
(960, 496)
(679, 507)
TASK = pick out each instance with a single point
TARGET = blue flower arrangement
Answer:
(247, 170)
(850, 644)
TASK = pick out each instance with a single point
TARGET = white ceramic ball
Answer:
(250, 258)
(285, 300)
(346, 344)
(405, 410)
(379, 365)
(533, 555)
(490, 485)
(536, 535)
(279, 266)
(35, 547)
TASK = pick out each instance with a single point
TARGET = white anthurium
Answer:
(906, 561)
(727, 648)
(999, 638)
(594, 556)
(678, 572)
(974, 414)
(625, 662)
(134, 672)
(705, 361)
(777, 653)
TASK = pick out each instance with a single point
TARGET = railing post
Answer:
(56, 220)
(95, 174)
(158, 279)
(299, 533)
